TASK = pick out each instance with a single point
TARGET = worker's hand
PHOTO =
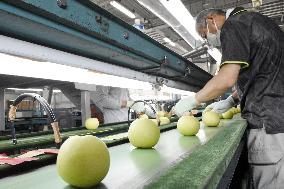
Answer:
(222, 106)
(138, 107)
(185, 105)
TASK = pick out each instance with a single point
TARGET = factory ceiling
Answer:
(158, 29)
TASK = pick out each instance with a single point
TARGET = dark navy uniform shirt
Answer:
(257, 43)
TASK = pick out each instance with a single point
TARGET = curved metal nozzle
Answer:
(145, 103)
(46, 107)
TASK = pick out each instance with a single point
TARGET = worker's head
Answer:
(209, 23)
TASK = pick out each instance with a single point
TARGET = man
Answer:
(252, 57)
(114, 103)
(108, 104)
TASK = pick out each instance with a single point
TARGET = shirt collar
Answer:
(229, 11)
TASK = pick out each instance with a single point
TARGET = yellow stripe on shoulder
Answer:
(243, 64)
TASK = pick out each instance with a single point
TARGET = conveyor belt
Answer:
(205, 166)
(46, 138)
(135, 168)
(109, 138)
(62, 130)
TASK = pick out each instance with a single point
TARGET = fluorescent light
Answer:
(11, 65)
(122, 9)
(28, 89)
(32, 89)
(176, 91)
(180, 12)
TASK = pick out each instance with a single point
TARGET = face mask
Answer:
(214, 39)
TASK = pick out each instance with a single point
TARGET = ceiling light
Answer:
(11, 65)
(122, 9)
(176, 91)
(32, 89)
(180, 12)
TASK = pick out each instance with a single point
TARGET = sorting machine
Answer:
(80, 34)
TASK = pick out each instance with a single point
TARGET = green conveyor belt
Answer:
(63, 130)
(206, 165)
(175, 162)
(46, 159)
(42, 139)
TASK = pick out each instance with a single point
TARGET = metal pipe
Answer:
(200, 60)
(196, 52)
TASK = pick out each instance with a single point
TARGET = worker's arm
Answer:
(220, 83)
(235, 40)
(235, 44)
(102, 98)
